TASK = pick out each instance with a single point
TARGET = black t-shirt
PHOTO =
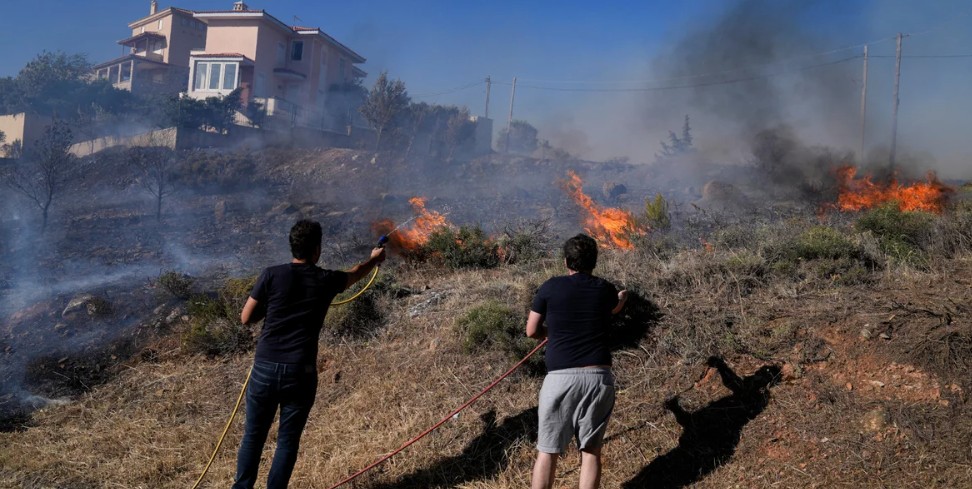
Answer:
(296, 297)
(577, 310)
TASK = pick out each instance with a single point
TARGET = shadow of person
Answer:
(631, 325)
(485, 456)
(710, 435)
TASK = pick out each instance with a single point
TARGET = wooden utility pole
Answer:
(509, 122)
(894, 116)
(863, 108)
(489, 84)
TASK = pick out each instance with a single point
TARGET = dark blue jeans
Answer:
(291, 387)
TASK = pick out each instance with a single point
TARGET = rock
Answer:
(219, 210)
(885, 336)
(92, 305)
(434, 299)
(876, 420)
(174, 316)
(284, 208)
(866, 333)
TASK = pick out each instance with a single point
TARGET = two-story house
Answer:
(157, 52)
(290, 70)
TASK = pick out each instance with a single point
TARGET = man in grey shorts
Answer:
(577, 396)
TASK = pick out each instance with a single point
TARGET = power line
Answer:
(696, 85)
(925, 56)
(451, 90)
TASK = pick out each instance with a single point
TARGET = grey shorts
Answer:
(575, 403)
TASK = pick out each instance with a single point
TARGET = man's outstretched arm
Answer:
(360, 270)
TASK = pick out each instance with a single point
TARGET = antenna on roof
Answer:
(297, 21)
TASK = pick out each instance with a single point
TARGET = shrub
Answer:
(177, 284)
(903, 236)
(494, 326)
(523, 242)
(656, 213)
(214, 324)
(467, 247)
(358, 319)
(820, 252)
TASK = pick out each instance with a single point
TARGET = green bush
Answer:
(177, 284)
(467, 247)
(214, 320)
(903, 236)
(494, 326)
(820, 252)
(656, 213)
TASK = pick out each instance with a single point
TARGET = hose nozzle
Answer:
(382, 241)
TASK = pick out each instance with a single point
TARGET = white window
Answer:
(229, 76)
(215, 76)
(160, 24)
(202, 72)
(281, 53)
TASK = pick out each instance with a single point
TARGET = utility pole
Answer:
(509, 122)
(489, 84)
(863, 107)
(894, 121)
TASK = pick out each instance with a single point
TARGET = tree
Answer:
(153, 170)
(460, 131)
(220, 112)
(386, 100)
(41, 175)
(676, 145)
(520, 138)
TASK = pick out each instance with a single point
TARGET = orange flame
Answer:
(861, 193)
(610, 226)
(416, 235)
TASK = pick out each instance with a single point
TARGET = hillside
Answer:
(854, 349)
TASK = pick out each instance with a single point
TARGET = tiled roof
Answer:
(140, 59)
(140, 36)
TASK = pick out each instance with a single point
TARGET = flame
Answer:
(609, 226)
(413, 237)
(861, 193)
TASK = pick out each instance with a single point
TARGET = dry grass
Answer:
(839, 418)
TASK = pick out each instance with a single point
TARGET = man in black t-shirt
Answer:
(292, 299)
(573, 311)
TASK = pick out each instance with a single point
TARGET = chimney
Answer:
(153, 7)
(240, 7)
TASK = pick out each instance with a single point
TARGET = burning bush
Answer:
(493, 326)
(467, 247)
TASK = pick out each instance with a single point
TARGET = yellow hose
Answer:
(239, 400)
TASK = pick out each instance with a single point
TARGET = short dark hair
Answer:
(581, 253)
(305, 239)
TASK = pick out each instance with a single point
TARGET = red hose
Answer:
(441, 422)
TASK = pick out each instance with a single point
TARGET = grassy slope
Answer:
(850, 412)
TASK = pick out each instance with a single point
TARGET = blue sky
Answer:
(437, 46)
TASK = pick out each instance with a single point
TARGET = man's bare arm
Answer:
(622, 298)
(359, 271)
(251, 311)
(534, 327)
